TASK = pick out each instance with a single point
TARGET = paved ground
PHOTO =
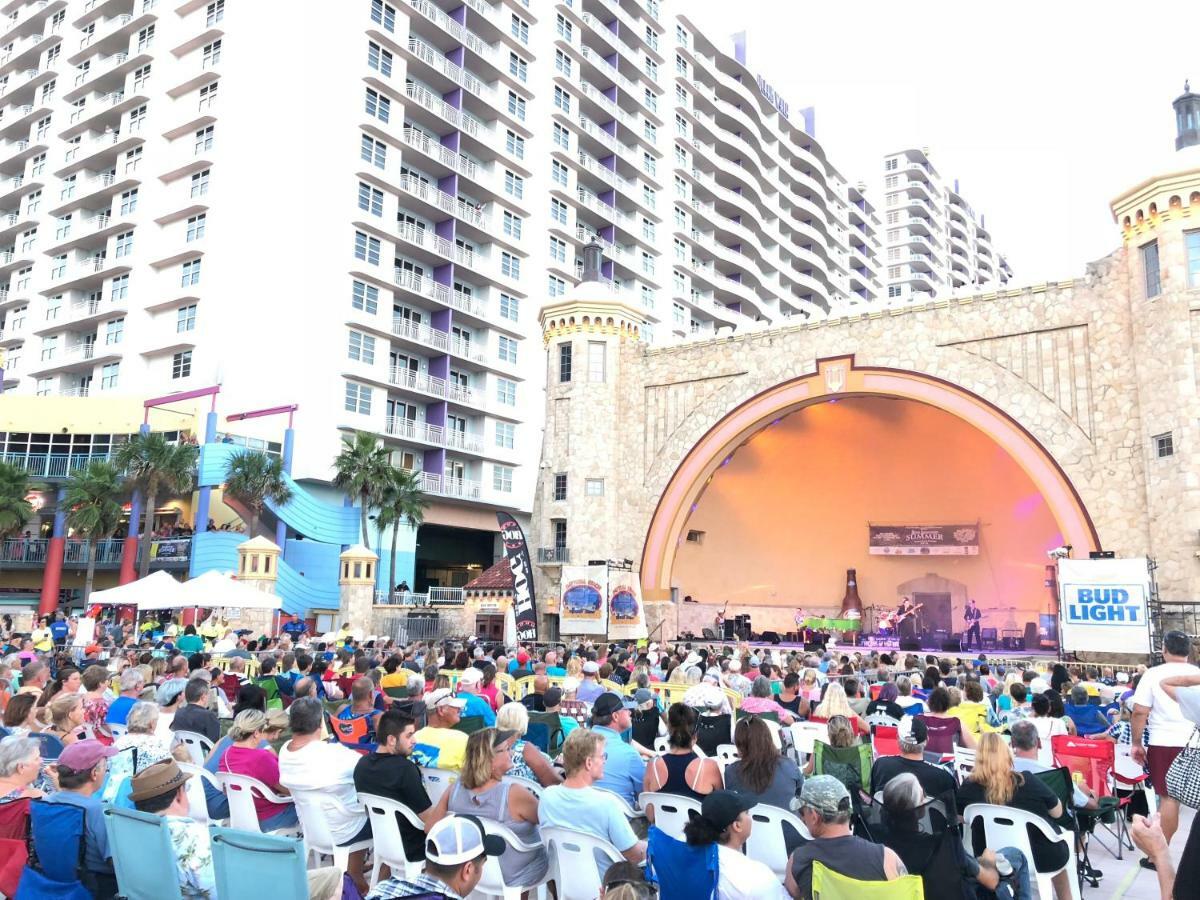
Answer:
(1125, 879)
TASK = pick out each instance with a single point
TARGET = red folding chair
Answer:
(231, 684)
(1095, 761)
(886, 741)
(14, 831)
(875, 689)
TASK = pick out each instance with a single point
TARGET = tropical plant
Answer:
(156, 466)
(361, 470)
(253, 478)
(400, 500)
(15, 510)
(93, 503)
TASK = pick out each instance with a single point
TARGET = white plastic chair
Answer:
(318, 838)
(1129, 776)
(492, 883)
(197, 744)
(964, 764)
(197, 804)
(532, 786)
(775, 728)
(573, 865)
(437, 782)
(882, 718)
(1004, 826)
(389, 841)
(240, 791)
(670, 811)
(626, 808)
(805, 734)
(766, 841)
(661, 744)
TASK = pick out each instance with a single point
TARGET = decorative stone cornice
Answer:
(597, 317)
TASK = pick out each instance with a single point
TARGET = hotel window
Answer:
(558, 211)
(558, 173)
(650, 67)
(196, 227)
(29, 238)
(383, 14)
(562, 137)
(137, 117)
(564, 362)
(681, 250)
(190, 273)
(58, 266)
(890, 165)
(200, 183)
(506, 349)
(681, 65)
(502, 478)
(596, 361)
(1192, 243)
(366, 248)
(510, 266)
(208, 96)
(53, 307)
(512, 225)
(185, 319)
(212, 55)
(563, 28)
(1164, 445)
(555, 287)
(141, 76)
(681, 36)
(44, 387)
(895, 290)
(649, 132)
(362, 347)
(358, 398)
(109, 375)
(563, 63)
(145, 38)
(650, 99)
(181, 364)
(894, 271)
(123, 245)
(49, 348)
(132, 159)
(129, 202)
(558, 250)
(649, 195)
(647, 296)
(374, 152)
(505, 434)
(514, 144)
(560, 486)
(651, 38)
(510, 307)
(562, 100)
(365, 297)
(649, 163)
(378, 105)
(516, 106)
(679, 314)
(379, 59)
(120, 287)
(517, 67)
(39, 164)
(514, 184)
(681, 95)
(1150, 264)
(216, 12)
(648, 229)
(647, 263)
(114, 330)
(370, 199)
(520, 29)
(506, 392)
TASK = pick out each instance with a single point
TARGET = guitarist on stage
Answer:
(972, 615)
(906, 625)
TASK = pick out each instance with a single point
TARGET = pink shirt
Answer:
(764, 705)
(260, 764)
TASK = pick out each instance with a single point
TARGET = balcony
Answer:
(432, 386)
(447, 203)
(433, 434)
(447, 157)
(444, 486)
(437, 596)
(31, 552)
(432, 337)
(463, 121)
(99, 152)
(457, 74)
(606, 210)
(463, 35)
(82, 356)
(53, 465)
(425, 286)
(93, 269)
(553, 556)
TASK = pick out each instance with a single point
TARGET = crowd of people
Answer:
(322, 720)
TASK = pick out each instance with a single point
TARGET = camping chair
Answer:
(14, 831)
(51, 747)
(142, 854)
(469, 724)
(775, 834)
(385, 815)
(578, 853)
(545, 727)
(829, 885)
(712, 731)
(682, 872)
(846, 764)
(931, 858)
(231, 684)
(1096, 760)
(1006, 826)
(271, 688)
(1060, 784)
(670, 811)
(354, 732)
(245, 862)
(879, 720)
(964, 763)
(55, 868)
(198, 746)
(396, 693)
(885, 740)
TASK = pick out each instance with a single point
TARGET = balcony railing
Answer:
(33, 551)
(430, 384)
(442, 340)
(442, 200)
(435, 596)
(455, 73)
(398, 426)
(554, 555)
(52, 465)
(439, 107)
(456, 161)
(465, 36)
(445, 486)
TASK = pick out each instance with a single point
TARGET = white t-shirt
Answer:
(1169, 727)
(743, 878)
(328, 769)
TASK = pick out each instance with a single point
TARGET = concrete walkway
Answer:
(1125, 879)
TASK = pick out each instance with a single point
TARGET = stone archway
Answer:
(836, 378)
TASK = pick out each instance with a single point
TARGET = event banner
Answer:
(626, 619)
(924, 540)
(1103, 605)
(584, 607)
(516, 551)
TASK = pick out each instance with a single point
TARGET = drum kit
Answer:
(889, 622)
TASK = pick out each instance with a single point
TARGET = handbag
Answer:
(1183, 777)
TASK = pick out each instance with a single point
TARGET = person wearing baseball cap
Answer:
(552, 703)
(912, 736)
(590, 688)
(723, 821)
(82, 767)
(469, 684)
(455, 851)
(438, 745)
(826, 810)
(624, 768)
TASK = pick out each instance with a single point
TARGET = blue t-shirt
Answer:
(97, 857)
(624, 768)
(59, 630)
(556, 671)
(118, 710)
(589, 810)
(296, 627)
(478, 706)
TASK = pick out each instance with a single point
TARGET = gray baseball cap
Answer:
(825, 794)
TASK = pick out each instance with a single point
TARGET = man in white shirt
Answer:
(307, 763)
(1170, 729)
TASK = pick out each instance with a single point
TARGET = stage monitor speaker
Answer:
(813, 647)
(730, 629)
(952, 644)
(1014, 643)
(1033, 640)
(909, 643)
(772, 636)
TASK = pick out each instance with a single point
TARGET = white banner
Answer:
(1103, 605)
(584, 606)
(626, 619)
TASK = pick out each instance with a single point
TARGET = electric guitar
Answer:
(900, 617)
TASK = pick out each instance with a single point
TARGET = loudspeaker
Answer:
(730, 625)
(952, 644)
(1032, 639)
(910, 643)
(772, 636)
(813, 647)
(1013, 643)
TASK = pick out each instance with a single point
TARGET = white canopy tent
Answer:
(158, 590)
(215, 589)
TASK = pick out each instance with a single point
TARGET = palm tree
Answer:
(361, 469)
(93, 502)
(399, 501)
(15, 510)
(156, 466)
(253, 478)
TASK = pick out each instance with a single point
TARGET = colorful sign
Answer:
(516, 551)
(924, 540)
(626, 618)
(584, 605)
(1103, 605)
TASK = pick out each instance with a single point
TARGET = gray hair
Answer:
(142, 718)
(416, 685)
(694, 675)
(1024, 735)
(247, 723)
(1079, 695)
(904, 685)
(17, 750)
(903, 793)
(132, 679)
(760, 687)
(305, 715)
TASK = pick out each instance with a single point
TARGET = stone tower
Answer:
(588, 335)
(258, 567)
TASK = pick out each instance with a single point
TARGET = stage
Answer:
(885, 645)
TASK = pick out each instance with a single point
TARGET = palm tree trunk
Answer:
(93, 548)
(363, 497)
(147, 535)
(252, 525)
(392, 570)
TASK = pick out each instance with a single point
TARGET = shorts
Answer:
(1158, 760)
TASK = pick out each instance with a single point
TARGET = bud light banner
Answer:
(584, 607)
(516, 551)
(924, 540)
(1104, 605)
(625, 617)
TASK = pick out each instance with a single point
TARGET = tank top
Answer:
(519, 867)
(676, 783)
(847, 855)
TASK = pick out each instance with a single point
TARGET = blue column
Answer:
(289, 445)
(203, 503)
(130, 550)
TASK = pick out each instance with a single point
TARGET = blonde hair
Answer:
(955, 696)
(61, 708)
(580, 746)
(575, 667)
(678, 676)
(834, 704)
(513, 717)
(477, 760)
(247, 723)
(994, 769)
(841, 732)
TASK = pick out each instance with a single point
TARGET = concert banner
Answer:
(516, 551)
(584, 606)
(1103, 605)
(924, 540)
(626, 620)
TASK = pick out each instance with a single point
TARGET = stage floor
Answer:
(882, 645)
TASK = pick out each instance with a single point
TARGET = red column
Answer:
(128, 561)
(52, 576)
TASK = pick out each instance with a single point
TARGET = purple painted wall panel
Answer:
(443, 274)
(610, 93)
(614, 26)
(610, 126)
(445, 229)
(454, 98)
(435, 462)
(459, 15)
(457, 56)
(611, 59)
(609, 197)
(435, 414)
(736, 307)
(606, 268)
(739, 47)
(452, 140)
(608, 232)
(448, 184)
(736, 276)
(610, 162)
(439, 366)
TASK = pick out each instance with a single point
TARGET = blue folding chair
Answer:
(245, 861)
(56, 864)
(52, 747)
(143, 855)
(683, 872)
